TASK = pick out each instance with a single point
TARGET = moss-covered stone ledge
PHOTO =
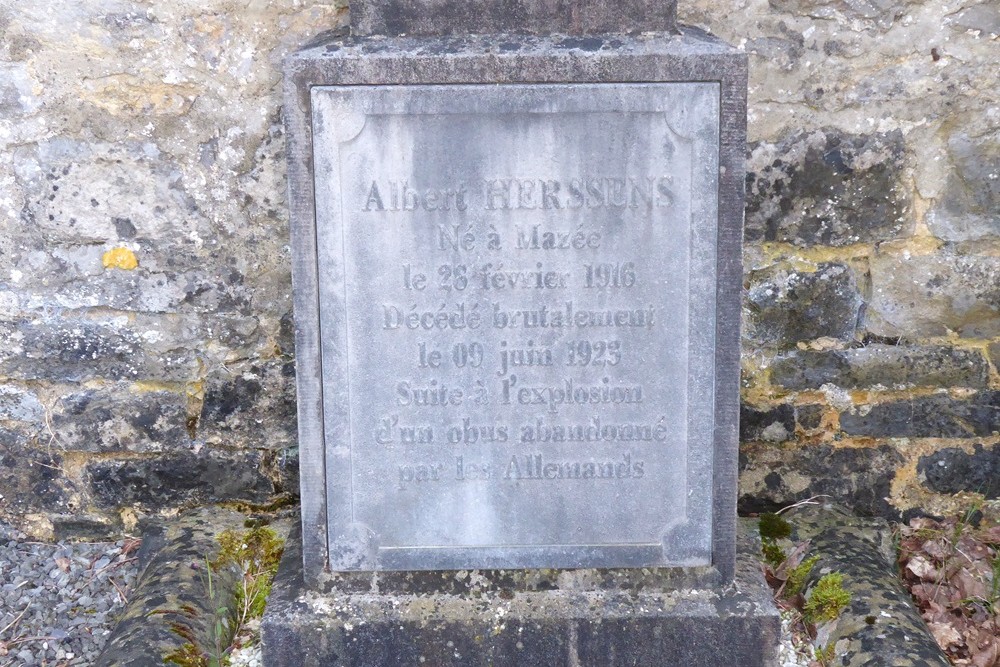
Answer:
(172, 606)
(880, 625)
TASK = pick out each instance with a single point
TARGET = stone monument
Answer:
(516, 229)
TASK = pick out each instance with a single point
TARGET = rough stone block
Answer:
(122, 418)
(787, 306)
(954, 470)
(984, 18)
(30, 479)
(79, 193)
(937, 416)
(932, 295)
(882, 13)
(253, 404)
(68, 350)
(775, 425)
(20, 405)
(502, 619)
(827, 188)
(536, 17)
(809, 417)
(889, 366)
(970, 207)
(140, 347)
(179, 477)
(773, 477)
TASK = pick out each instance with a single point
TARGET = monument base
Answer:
(530, 618)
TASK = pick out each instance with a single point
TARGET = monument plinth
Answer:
(517, 277)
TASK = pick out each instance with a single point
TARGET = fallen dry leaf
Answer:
(922, 568)
(945, 635)
(949, 568)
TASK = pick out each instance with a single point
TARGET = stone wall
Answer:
(145, 306)
(872, 283)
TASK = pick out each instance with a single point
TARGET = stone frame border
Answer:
(340, 60)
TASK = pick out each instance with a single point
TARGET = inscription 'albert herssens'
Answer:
(501, 194)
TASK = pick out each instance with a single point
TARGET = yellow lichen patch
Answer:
(120, 258)
(807, 260)
(911, 247)
(147, 386)
(130, 520)
(126, 95)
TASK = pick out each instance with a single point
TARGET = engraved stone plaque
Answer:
(517, 300)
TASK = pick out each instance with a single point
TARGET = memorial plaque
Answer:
(517, 299)
(516, 238)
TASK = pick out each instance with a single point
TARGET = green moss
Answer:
(825, 655)
(827, 599)
(774, 555)
(797, 576)
(256, 554)
(773, 527)
(186, 656)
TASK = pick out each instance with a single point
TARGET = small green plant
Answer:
(797, 576)
(774, 555)
(773, 527)
(825, 655)
(256, 554)
(826, 600)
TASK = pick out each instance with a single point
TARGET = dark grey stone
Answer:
(31, 479)
(968, 210)
(860, 477)
(809, 417)
(535, 17)
(777, 424)
(120, 419)
(237, 406)
(774, 425)
(392, 129)
(955, 470)
(786, 306)
(827, 188)
(506, 619)
(53, 349)
(891, 366)
(209, 476)
(936, 416)
(76, 527)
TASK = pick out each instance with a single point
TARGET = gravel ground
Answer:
(59, 602)
(790, 655)
(248, 656)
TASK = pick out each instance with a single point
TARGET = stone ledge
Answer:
(440, 17)
(881, 625)
(650, 625)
